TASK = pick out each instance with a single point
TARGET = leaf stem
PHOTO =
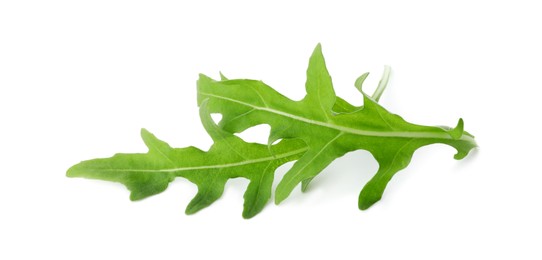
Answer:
(382, 84)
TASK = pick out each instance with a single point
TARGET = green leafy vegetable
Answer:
(314, 131)
(229, 157)
(328, 135)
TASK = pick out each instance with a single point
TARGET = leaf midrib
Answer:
(344, 128)
(216, 166)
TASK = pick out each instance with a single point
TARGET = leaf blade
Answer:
(314, 118)
(229, 157)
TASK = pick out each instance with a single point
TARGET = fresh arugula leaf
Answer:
(314, 131)
(328, 134)
(229, 157)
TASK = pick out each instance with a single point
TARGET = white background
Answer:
(78, 79)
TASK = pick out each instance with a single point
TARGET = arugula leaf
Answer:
(314, 131)
(229, 157)
(328, 134)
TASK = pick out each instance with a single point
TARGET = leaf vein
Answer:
(217, 166)
(345, 129)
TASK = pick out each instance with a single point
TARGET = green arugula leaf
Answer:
(314, 131)
(229, 157)
(329, 126)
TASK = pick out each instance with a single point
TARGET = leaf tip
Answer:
(72, 171)
(190, 210)
(457, 131)
(364, 206)
(317, 50)
(202, 76)
(279, 198)
(135, 196)
(145, 133)
(364, 203)
(222, 77)
(359, 81)
(248, 214)
(148, 138)
(305, 185)
(194, 206)
(460, 155)
(463, 153)
(369, 196)
(78, 170)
